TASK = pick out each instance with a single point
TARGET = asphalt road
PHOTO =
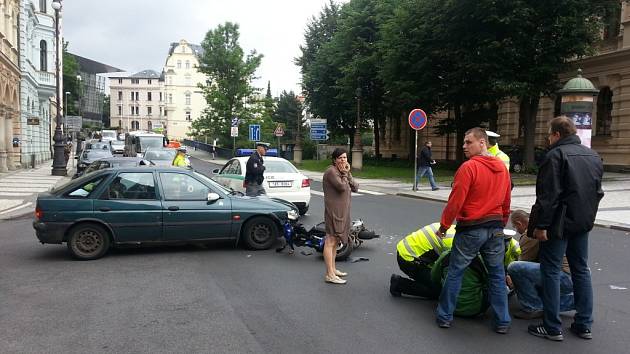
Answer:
(221, 299)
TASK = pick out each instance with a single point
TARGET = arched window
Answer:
(135, 125)
(604, 112)
(43, 55)
(187, 64)
(149, 126)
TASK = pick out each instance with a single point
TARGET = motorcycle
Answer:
(297, 235)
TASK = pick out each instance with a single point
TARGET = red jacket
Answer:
(481, 189)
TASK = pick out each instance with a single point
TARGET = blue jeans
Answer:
(425, 170)
(527, 281)
(551, 253)
(466, 245)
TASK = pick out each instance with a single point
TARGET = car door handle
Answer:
(105, 209)
(173, 208)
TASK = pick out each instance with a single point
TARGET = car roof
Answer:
(265, 158)
(121, 158)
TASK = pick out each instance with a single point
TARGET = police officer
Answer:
(494, 150)
(254, 172)
(180, 159)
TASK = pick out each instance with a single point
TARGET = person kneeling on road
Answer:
(525, 275)
(180, 159)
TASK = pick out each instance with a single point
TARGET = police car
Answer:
(282, 179)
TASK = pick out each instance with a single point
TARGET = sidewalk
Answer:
(19, 188)
(614, 208)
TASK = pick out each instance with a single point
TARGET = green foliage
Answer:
(70, 82)
(228, 90)
(289, 114)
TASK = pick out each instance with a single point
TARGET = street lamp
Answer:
(59, 160)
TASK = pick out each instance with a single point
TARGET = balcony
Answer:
(46, 79)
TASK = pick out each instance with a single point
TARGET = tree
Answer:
(70, 82)
(289, 113)
(228, 90)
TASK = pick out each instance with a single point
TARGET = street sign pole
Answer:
(417, 121)
(415, 166)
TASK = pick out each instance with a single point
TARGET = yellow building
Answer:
(9, 81)
(184, 99)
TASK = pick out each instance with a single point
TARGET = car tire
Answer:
(303, 210)
(344, 250)
(260, 233)
(88, 242)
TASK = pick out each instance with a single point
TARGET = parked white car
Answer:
(282, 180)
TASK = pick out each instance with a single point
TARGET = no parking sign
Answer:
(418, 119)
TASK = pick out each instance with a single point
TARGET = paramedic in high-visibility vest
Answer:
(493, 149)
(180, 159)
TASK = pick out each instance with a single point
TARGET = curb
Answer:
(598, 222)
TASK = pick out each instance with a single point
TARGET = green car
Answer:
(153, 205)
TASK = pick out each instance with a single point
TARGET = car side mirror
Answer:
(215, 171)
(213, 197)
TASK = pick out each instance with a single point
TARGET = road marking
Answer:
(370, 192)
(16, 208)
(14, 194)
(321, 194)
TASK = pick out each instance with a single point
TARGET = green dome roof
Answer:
(579, 85)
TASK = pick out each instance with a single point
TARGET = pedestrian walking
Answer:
(254, 171)
(568, 191)
(480, 201)
(338, 187)
(425, 160)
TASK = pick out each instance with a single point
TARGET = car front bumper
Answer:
(298, 198)
(49, 232)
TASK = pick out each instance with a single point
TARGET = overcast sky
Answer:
(134, 35)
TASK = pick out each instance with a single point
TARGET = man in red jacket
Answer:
(480, 201)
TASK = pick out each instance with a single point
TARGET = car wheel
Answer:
(88, 241)
(303, 210)
(260, 233)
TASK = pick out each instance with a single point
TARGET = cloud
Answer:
(134, 35)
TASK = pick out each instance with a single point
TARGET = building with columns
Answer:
(37, 64)
(137, 101)
(9, 81)
(608, 69)
(184, 99)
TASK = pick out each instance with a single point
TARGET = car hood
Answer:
(262, 202)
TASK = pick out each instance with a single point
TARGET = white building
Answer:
(184, 99)
(37, 66)
(137, 101)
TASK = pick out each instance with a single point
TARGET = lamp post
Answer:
(357, 149)
(59, 160)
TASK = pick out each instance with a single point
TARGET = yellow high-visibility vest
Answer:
(424, 240)
(494, 151)
(180, 161)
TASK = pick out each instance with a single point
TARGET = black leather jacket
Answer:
(568, 189)
(255, 168)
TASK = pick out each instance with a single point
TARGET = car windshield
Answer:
(98, 146)
(279, 166)
(212, 182)
(151, 142)
(94, 154)
(160, 155)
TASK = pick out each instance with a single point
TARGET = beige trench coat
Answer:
(338, 190)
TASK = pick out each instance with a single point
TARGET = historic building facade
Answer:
(137, 102)
(184, 100)
(609, 70)
(37, 64)
(9, 81)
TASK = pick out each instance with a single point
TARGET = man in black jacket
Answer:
(424, 166)
(254, 171)
(568, 191)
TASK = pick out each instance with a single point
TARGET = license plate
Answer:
(276, 184)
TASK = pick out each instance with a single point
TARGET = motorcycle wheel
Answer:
(344, 250)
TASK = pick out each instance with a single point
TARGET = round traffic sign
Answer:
(418, 119)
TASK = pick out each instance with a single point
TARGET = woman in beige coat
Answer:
(338, 188)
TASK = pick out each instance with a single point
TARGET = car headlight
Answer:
(292, 214)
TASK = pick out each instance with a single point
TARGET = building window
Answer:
(137, 110)
(120, 110)
(120, 123)
(120, 81)
(170, 80)
(135, 81)
(135, 125)
(42, 6)
(179, 64)
(165, 113)
(188, 116)
(137, 96)
(161, 111)
(149, 82)
(149, 111)
(188, 80)
(148, 96)
(170, 98)
(160, 96)
(132, 95)
(120, 95)
(43, 55)
(149, 125)
(604, 112)
(187, 64)
(188, 98)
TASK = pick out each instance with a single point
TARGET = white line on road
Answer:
(321, 194)
(16, 208)
(370, 192)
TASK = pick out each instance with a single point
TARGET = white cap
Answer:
(492, 134)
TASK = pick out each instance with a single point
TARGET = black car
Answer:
(113, 162)
(89, 156)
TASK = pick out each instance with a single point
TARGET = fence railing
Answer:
(218, 151)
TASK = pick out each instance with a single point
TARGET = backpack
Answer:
(473, 296)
